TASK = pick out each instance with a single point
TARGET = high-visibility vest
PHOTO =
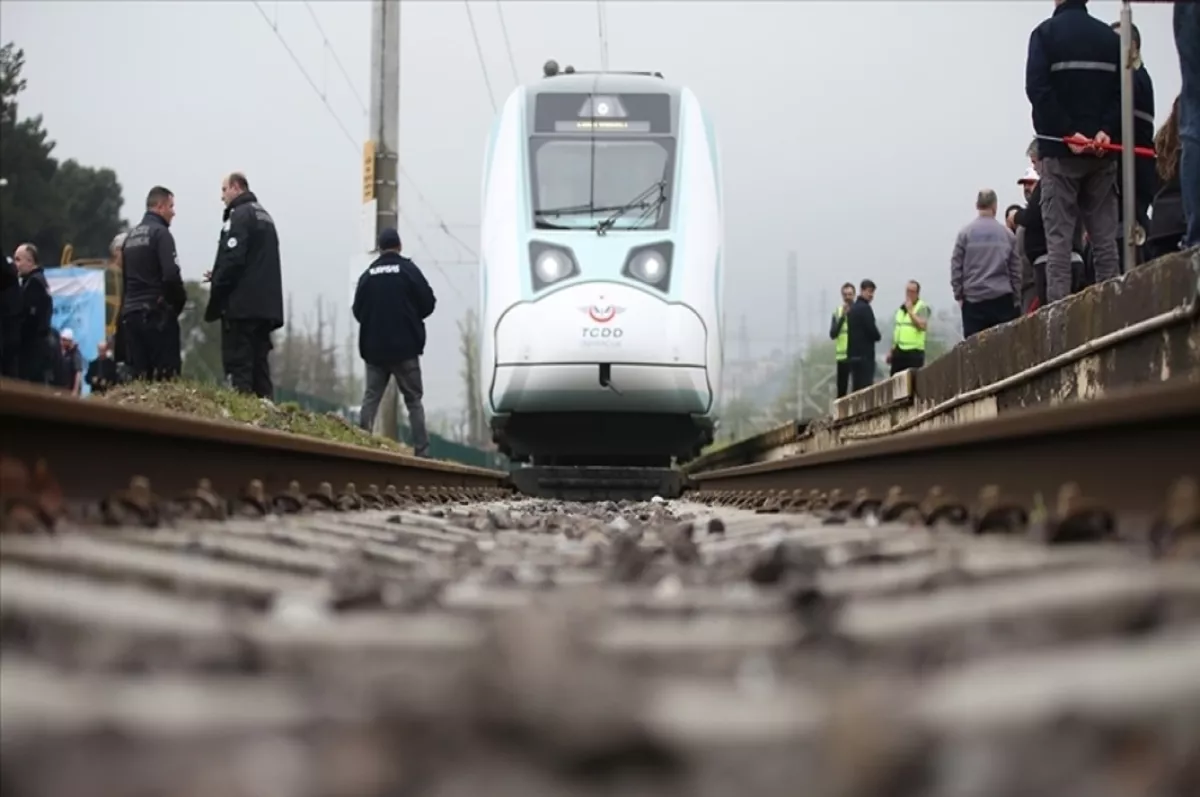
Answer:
(843, 339)
(905, 334)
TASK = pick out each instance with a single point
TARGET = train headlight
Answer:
(651, 265)
(550, 264)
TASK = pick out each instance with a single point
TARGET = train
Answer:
(601, 274)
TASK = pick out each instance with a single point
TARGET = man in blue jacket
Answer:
(391, 303)
(1073, 81)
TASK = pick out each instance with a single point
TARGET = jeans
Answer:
(408, 380)
(1187, 42)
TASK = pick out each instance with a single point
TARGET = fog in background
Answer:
(856, 133)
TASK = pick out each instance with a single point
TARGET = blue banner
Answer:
(78, 295)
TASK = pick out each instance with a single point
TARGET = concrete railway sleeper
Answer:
(463, 642)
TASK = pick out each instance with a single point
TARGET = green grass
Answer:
(217, 403)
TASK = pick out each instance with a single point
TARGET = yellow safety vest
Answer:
(843, 338)
(905, 334)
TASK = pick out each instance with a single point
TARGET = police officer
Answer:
(391, 303)
(839, 332)
(153, 295)
(908, 331)
(247, 288)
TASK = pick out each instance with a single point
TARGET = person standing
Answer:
(70, 375)
(908, 331)
(247, 288)
(1072, 80)
(10, 318)
(985, 269)
(391, 302)
(35, 358)
(1187, 43)
(862, 337)
(102, 371)
(153, 295)
(839, 332)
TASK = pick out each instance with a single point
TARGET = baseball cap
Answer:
(389, 239)
(1030, 176)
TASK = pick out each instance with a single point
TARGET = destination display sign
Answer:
(601, 113)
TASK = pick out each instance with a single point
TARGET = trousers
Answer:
(408, 380)
(245, 356)
(843, 377)
(152, 345)
(978, 316)
(1074, 188)
(903, 359)
(1187, 42)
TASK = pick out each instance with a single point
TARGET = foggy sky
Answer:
(856, 133)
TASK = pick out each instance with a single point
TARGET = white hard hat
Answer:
(67, 334)
(1030, 176)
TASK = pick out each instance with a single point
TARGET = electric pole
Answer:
(381, 154)
(792, 329)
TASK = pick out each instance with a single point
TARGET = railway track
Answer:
(266, 633)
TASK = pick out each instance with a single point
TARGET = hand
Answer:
(1079, 143)
(959, 302)
(207, 276)
(1102, 140)
(1011, 219)
(888, 358)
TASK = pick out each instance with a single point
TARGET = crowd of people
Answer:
(1069, 234)
(245, 297)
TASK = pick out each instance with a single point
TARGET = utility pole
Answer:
(1128, 180)
(792, 328)
(381, 154)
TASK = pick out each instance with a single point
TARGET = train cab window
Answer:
(578, 182)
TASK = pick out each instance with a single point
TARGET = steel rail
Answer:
(94, 448)
(1125, 450)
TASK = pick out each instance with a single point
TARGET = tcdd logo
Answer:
(603, 332)
(602, 313)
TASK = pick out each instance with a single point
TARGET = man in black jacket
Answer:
(102, 371)
(10, 318)
(391, 303)
(35, 358)
(1072, 79)
(863, 334)
(1145, 169)
(153, 295)
(247, 288)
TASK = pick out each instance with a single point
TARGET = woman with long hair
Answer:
(1167, 223)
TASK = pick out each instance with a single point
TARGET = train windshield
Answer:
(579, 182)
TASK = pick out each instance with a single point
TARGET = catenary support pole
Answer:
(1128, 179)
(383, 150)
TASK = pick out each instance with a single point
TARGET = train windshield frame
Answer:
(578, 180)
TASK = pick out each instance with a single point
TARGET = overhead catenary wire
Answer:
(602, 32)
(487, 81)
(354, 143)
(333, 54)
(512, 62)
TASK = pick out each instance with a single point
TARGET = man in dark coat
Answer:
(864, 334)
(391, 303)
(35, 359)
(153, 295)
(247, 288)
(10, 318)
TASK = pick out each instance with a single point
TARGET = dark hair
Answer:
(1137, 34)
(157, 196)
(239, 181)
(866, 284)
(846, 285)
(1167, 146)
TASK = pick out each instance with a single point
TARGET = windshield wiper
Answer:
(576, 210)
(639, 202)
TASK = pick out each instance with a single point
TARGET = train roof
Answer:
(607, 82)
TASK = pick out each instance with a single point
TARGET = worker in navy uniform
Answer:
(863, 335)
(153, 295)
(247, 289)
(1145, 174)
(1073, 82)
(36, 346)
(391, 303)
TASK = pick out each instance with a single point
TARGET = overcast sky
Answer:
(856, 133)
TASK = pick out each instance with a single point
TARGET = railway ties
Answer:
(533, 647)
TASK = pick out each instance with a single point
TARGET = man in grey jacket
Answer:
(985, 269)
